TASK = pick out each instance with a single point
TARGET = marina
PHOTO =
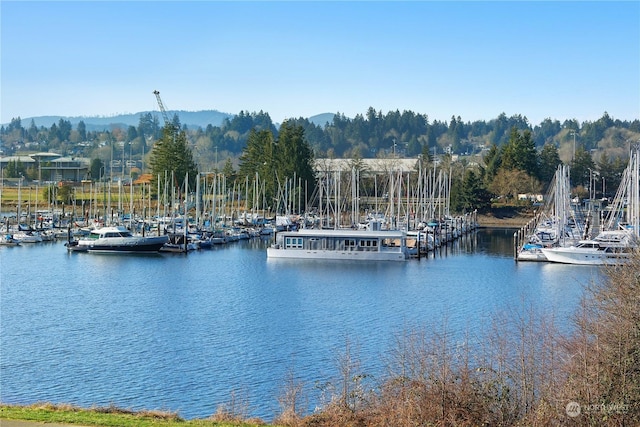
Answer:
(567, 232)
(186, 333)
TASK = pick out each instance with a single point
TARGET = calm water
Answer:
(184, 333)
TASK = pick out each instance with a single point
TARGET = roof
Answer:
(373, 165)
(45, 154)
(23, 159)
(343, 233)
(145, 178)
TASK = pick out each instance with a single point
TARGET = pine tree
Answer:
(296, 157)
(520, 153)
(171, 155)
(549, 161)
(276, 161)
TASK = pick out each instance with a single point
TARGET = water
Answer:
(185, 333)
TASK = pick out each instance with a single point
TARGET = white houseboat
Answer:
(364, 245)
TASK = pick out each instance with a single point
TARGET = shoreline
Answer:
(516, 221)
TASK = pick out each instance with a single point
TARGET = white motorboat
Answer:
(589, 252)
(117, 239)
(340, 244)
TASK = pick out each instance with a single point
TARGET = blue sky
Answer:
(563, 60)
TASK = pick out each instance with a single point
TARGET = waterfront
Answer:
(185, 332)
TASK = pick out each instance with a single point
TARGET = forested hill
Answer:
(193, 119)
(369, 135)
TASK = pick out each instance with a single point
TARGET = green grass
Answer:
(110, 416)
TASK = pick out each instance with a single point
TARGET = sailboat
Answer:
(619, 237)
(556, 225)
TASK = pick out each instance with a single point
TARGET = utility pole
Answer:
(574, 145)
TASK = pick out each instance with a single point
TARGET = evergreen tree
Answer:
(276, 161)
(53, 134)
(15, 169)
(259, 156)
(171, 156)
(132, 133)
(520, 153)
(296, 158)
(95, 169)
(492, 161)
(549, 161)
(545, 132)
(32, 132)
(580, 168)
(64, 129)
(82, 130)
(228, 172)
(470, 194)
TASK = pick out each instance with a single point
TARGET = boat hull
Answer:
(577, 257)
(532, 256)
(140, 248)
(142, 245)
(335, 255)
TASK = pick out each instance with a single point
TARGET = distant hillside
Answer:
(322, 119)
(192, 119)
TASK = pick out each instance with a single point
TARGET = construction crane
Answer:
(165, 116)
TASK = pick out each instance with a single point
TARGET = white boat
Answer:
(117, 239)
(8, 240)
(590, 252)
(618, 239)
(531, 252)
(28, 236)
(362, 245)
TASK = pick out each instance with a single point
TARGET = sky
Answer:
(476, 60)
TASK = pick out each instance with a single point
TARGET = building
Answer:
(372, 165)
(52, 166)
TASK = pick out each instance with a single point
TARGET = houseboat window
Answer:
(293, 242)
(368, 243)
(349, 243)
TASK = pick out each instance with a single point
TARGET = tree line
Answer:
(498, 159)
(370, 135)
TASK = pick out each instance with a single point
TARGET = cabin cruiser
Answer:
(609, 247)
(116, 239)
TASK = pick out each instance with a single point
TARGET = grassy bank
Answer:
(505, 216)
(36, 197)
(111, 416)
